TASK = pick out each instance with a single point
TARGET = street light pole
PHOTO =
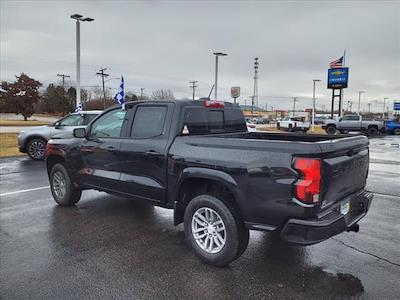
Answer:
(359, 101)
(78, 64)
(384, 105)
(313, 109)
(216, 73)
(79, 18)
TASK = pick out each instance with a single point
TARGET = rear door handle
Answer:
(112, 149)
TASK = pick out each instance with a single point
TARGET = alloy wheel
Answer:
(208, 230)
(59, 183)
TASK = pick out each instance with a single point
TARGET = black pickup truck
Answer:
(197, 158)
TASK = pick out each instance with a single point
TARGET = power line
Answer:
(193, 86)
(103, 75)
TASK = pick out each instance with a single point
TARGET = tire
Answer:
(330, 130)
(372, 131)
(278, 125)
(305, 130)
(36, 149)
(396, 131)
(232, 237)
(62, 188)
(344, 131)
(290, 128)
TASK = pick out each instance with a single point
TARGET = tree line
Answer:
(24, 96)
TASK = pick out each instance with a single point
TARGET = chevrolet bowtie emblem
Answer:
(338, 73)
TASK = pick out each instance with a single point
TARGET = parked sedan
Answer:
(34, 139)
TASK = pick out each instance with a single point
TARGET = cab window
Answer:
(148, 121)
(109, 125)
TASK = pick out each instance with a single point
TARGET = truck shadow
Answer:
(139, 243)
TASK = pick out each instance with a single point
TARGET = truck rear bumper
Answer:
(307, 232)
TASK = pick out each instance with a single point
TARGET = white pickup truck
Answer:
(294, 124)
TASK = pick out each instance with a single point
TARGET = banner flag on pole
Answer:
(79, 107)
(120, 96)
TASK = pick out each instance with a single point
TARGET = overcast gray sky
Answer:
(164, 44)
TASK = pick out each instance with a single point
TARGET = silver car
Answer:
(33, 140)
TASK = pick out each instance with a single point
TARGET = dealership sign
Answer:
(337, 78)
(235, 91)
(396, 105)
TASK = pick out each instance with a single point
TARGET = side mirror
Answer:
(57, 125)
(79, 132)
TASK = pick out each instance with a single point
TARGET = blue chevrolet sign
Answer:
(337, 78)
(396, 106)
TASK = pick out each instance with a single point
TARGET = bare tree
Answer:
(163, 95)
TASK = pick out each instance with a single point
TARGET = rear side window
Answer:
(88, 118)
(72, 120)
(149, 121)
(203, 121)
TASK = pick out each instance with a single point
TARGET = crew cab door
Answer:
(100, 152)
(144, 172)
(350, 123)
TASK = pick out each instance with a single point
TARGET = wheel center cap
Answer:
(210, 229)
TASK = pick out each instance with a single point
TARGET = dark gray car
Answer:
(33, 140)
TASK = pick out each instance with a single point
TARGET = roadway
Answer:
(110, 247)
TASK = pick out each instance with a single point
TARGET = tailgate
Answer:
(344, 168)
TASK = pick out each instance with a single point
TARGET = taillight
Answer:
(214, 104)
(52, 149)
(308, 187)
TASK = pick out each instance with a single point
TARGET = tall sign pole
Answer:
(337, 80)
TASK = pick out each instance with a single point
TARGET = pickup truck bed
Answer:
(218, 177)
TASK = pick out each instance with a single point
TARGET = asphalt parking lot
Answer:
(109, 247)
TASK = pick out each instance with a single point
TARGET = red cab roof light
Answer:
(308, 187)
(214, 104)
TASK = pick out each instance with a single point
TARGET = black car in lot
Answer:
(197, 158)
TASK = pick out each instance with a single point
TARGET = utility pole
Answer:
(141, 93)
(102, 74)
(351, 105)
(369, 108)
(294, 104)
(193, 86)
(63, 78)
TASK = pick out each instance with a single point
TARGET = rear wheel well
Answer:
(52, 160)
(193, 187)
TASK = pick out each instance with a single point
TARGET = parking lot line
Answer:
(25, 191)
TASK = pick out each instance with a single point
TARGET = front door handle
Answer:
(152, 153)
